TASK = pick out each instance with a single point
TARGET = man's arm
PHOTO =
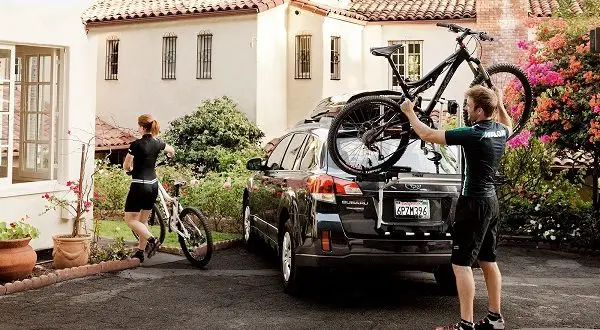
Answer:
(424, 132)
(503, 116)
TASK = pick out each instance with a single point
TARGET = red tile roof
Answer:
(408, 10)
(544, 8)
(111, 137)
(110, 10)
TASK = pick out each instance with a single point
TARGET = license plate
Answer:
(418, 209)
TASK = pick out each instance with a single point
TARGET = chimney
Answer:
(504, 20)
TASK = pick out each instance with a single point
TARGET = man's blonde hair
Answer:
(483, 98)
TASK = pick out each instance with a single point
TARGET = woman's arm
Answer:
(128, 163)
(170, 150)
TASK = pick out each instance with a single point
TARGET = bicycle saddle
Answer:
(385, 51)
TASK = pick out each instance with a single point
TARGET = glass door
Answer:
(7, 104)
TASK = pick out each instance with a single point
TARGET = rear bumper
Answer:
(400, 254)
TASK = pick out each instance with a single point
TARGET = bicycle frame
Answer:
(173, 216)
(411, 89)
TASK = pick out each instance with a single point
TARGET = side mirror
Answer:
(255, 164)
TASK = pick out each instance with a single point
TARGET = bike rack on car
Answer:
(404, 176)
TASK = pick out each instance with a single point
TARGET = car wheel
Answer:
(292, 276)
(249, 236)
(444, 276)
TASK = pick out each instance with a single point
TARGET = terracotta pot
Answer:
(70, 251)
(17, 259)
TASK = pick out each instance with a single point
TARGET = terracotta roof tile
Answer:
(573, 159)
(111, 137)
(545, 8)
(110, 10)
(409, 10)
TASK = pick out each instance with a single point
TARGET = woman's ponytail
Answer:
(155, 128)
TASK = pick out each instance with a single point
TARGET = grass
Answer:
(114, 229)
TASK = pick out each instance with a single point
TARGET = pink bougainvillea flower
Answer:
(520, 140)
(545, 138)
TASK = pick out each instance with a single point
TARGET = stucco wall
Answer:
(57, 23)
(271, 71)
(140, 87)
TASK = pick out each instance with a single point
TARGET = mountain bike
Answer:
(374, 122)
(191, 226)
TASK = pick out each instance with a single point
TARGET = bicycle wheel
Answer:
(368, 136)
(157, 218)
(198, 247)
(517, 95)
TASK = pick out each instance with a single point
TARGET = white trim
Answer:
(31, 188)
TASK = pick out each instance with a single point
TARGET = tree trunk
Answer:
(77, 223)
(595, 175)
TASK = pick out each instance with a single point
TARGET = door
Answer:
(38, 114)
(263, 201)
(7, 104)
(280, 180)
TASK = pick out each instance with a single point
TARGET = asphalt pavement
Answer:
(240, 290)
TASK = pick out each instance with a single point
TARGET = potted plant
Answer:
(72, 250)
(17, 257)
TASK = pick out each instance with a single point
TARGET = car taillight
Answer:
(324, 188)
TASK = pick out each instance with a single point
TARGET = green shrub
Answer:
(217, 126)
(111, 185)
(538, 202)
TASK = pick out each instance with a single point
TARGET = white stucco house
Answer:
(47, 103)
(278, 58)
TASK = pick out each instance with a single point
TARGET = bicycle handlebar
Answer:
(466, 31)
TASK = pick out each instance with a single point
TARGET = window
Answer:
(408, 60)
(169, 56)
(302, 57)
(335, 58)
(204, 46)
(292, 152)
(29, 115)
(309, 156)
(112, 60)
(274, 162)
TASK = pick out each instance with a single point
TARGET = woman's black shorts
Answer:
(141, 196)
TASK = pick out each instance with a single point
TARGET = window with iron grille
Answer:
(303, 57)
(204, 46)
(408, 60)
(335, 58)
(169, 57)
(112, 60)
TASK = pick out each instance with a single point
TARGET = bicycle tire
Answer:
(515, 70)
(209, 241)
(350, 109)
(156, 216)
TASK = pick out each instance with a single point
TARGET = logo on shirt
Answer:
(494, 134)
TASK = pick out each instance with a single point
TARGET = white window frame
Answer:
(404, 52)
(11, 110)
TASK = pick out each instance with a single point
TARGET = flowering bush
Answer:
(111, 185)
(77, 207)
(565, 78)
(17, 230)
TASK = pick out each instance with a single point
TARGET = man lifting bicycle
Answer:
(477, 212)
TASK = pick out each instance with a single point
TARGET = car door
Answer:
(280, 179)
(263, 199)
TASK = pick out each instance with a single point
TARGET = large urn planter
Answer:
(17, 259)
(70, 251)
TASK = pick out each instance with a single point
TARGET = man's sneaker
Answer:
(487, 324)
(456, 326)
(139, 254)
(152, 246)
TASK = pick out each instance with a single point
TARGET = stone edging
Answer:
(532, 242)
(216, 246)
(66, 274)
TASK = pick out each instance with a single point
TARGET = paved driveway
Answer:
(241, 291)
